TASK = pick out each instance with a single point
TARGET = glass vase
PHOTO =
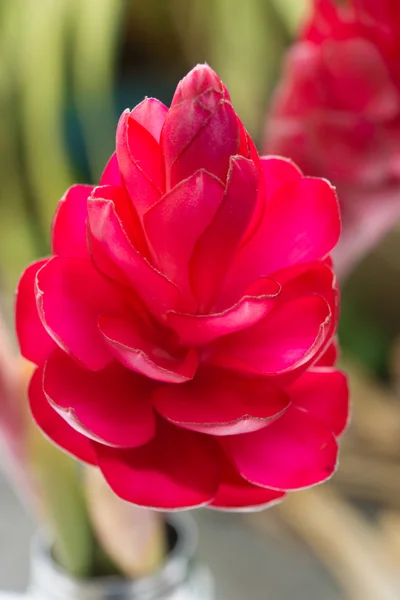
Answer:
(181, 577)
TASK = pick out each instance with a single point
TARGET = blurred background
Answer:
(68, 68)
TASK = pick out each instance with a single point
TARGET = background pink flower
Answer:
(183, 328)
(336, 112)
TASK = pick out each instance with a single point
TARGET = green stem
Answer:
(58, 480)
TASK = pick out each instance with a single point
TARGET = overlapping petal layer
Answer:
(236, 494)
(158, 475)
(54, 426)
(295, 451)
(112, 406)
(70, 296)
(221, 403)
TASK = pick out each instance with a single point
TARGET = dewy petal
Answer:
(178, 469)
(151, 113)
(126, 341)
(216, 248)
(201, 129)
(301, 223)
(295, 451)
(221, 403)
(324, 393)
(35, 343)
(278, 171)
(114, 254)
(176, 222)
(111, 174)
(237, 494)
(281, 345)
(198, 330)
(111, 406)
(69, 223)
(140, 163)
(54, 427)
(71, 295)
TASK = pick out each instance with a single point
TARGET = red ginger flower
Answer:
(183, 328)
(336, 112)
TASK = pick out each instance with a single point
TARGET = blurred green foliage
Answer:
(364, 338)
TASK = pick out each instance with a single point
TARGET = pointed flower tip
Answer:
(200, 79)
